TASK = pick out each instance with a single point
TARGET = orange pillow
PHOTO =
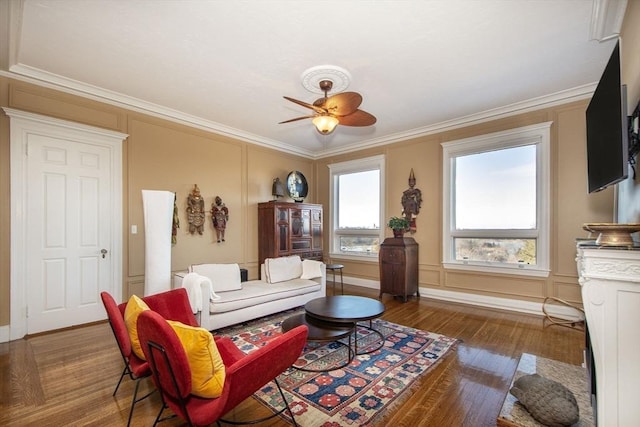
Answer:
(207, 368)
(135, 306)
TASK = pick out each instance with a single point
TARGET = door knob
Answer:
(103, 252)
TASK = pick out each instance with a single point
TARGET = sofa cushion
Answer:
(255, 292)
(224, 277)
(311, 269)
(135, 306)
(283, 269)
(207, 367)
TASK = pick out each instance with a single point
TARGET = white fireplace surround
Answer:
(610, 281)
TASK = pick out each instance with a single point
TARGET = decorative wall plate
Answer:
(612, 234)
(297, 187)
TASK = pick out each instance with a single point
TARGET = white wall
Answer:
(629, 190)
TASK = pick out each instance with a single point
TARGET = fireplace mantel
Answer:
(610, 281)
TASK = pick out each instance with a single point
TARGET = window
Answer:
(496, 202)
(357, 198)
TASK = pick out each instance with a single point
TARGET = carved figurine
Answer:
(176, 221)
(411, 202)
(195, 211)
(219, 216)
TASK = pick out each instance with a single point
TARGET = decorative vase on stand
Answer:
(398, 233)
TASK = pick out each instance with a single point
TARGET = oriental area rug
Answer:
(357, 394)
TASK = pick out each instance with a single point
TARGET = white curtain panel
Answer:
(158, 217)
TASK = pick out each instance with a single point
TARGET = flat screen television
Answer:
(607, 129)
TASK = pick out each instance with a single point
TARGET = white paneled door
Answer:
(70, 227)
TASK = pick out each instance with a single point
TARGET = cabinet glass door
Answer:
(283, 239)
(306, 223)
(296, 223)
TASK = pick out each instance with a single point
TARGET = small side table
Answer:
(333, 268)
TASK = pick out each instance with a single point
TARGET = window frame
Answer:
(540, 135)
(342, 168)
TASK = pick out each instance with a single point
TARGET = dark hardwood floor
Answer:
(67, 377)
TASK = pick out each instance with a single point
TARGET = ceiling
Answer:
(421, 66)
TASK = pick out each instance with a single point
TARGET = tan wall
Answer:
(629, 190)
(160, 155)
(571, 206)
(163, 155)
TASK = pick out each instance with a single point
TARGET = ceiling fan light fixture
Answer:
(325, 124)
(327, 109)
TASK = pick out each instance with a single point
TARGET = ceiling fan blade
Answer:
(357, 118)
(296, 119)
(320, 102)
(307, 105)
(343, 103)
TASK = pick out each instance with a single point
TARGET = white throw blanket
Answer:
(193, 282)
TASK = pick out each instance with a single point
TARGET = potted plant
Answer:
(399, 225)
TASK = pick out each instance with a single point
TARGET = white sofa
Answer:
(284, 285)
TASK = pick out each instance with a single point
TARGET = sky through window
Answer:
(496, 189)
(359, 200)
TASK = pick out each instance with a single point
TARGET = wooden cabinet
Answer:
(398, 259)
(286, 228)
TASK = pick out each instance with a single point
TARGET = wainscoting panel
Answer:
(568, 291)
(429, 276)
(508, 285)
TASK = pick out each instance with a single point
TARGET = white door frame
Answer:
(22, 124)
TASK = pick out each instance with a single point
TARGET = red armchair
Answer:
(172, 305)
(245, 373)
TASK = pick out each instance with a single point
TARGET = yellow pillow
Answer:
(207, 368)
(135, 306)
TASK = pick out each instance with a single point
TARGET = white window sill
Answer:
(518, 270)
(354, 257)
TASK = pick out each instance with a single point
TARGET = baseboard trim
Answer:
(5, 335)
(506, 304)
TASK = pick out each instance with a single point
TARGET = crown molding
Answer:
(74, 87)
(606, 19)
(558, 98)
(52, 81)
(10, 26)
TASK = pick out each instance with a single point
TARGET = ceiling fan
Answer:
(330, 111)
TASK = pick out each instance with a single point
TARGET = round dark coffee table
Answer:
(321, 331)
(349, 310)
